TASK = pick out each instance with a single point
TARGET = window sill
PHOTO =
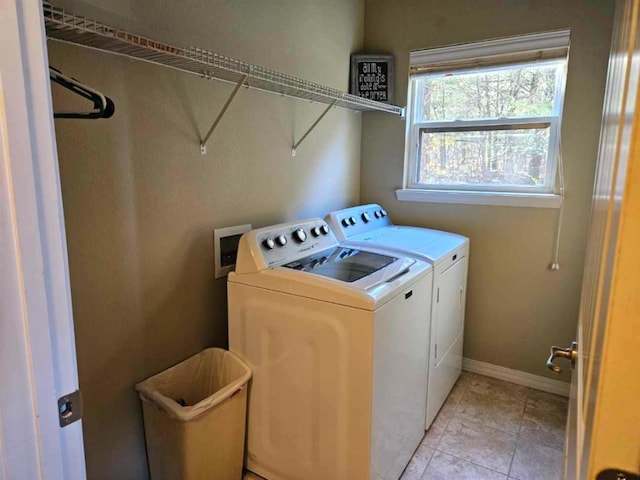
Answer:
(503, 199)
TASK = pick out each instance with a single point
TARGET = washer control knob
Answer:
(324, 229)
(281, 240)
(299, 235)
(352, 220)
(268, 243)
(377, 214)
(315, 231)
(366, 217)
(345, 222)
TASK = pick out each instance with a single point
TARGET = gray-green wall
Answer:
(141, 202)
(516, 307)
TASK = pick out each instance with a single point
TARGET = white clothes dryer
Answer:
(335, 338)
(448, 253)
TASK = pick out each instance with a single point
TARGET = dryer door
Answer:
(446, 334)
(450, 308)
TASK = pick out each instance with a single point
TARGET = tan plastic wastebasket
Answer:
(194, 418)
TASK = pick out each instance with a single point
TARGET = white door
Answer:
(37, 352)
(603, 429)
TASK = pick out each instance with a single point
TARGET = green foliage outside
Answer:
(512, 155)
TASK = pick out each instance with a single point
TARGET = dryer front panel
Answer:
(449, 312)
(447, 331)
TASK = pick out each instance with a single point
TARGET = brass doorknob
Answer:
(570, 354)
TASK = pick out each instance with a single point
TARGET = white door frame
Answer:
(37, 346)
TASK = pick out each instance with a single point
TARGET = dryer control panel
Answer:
(284, 243)
(356, 220)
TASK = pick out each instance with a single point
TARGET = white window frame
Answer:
(510, 195)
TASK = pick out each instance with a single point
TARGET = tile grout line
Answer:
(428, 463)
(447, 422)
(478, 464)
(486, 394)
(413, 457)
(541, 443)
(435, 449)
(479, 423)
(486, 426)
(513, 456)
(472, 462)
(455, 407)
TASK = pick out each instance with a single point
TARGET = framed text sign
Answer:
(372, 77)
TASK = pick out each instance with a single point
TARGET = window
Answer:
(484, 119)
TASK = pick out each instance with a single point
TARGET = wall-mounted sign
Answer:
(372, 77)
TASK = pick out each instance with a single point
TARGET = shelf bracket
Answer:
(297, 144)
(203, 144)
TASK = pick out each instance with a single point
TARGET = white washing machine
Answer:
(335, 338)
(448, 253)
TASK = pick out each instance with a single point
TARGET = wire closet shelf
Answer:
(66, 27)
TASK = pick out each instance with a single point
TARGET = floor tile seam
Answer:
(503, 405)
(475, 422)
(541, 427)
(514, 401)
(442, 434)
(498, 383)
(483, 426)
(428, 446)
(444, 430)
(543, 444)
(422, 472)
(464, 390)
(524, 410)
(468, 461)
(448, 420)
(455, 406)
(446, 425)
(562, 402)
(513, 455)
(466, 387)
(543, 422)
(426, 463)
(433, 452)
(457, 402)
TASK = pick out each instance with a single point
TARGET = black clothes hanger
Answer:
(103, 107)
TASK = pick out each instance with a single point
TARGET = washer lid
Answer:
(369, 292)
(342, 263)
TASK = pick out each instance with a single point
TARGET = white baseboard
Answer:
(516, 376)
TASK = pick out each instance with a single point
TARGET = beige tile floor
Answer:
(489, 429)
